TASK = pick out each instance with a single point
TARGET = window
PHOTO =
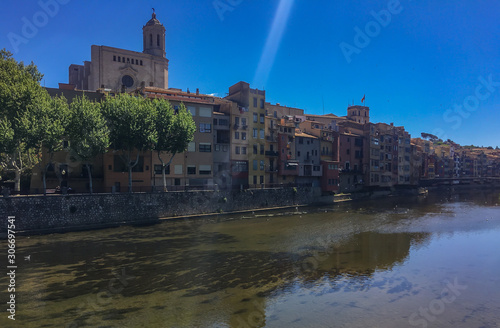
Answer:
(205, 128)
(217, 147)
(119, 59)
(224, 148)
(65, 144)
(262, 103)
(261, 179)
(262, 134)
(114, 58)
(191, 147)
(255, 164)
(205, 148)
(205, 112)
(262, 165)
(240, 166)
(261, 118)
(348, 151)
(316, 168)
(151, 40)
(243, 136)
(119, 164)
(298, 154)
(254, 101)
(141, 62)
(255, 133)
(262, 149)
(255, 117)
(244, 150)
(191, 110)
(157, 40)
(255, 149)
(237, 150)
(178, 169)
(191, 169)
(244, 121)
(236, 135)
(158, 168)
(236, 121)
(254, 179)
(205, 169)
(223, 122)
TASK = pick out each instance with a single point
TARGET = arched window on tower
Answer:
(151, 40)
(158, 40)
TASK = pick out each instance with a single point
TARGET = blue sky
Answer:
(427, 68)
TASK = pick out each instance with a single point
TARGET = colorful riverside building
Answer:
(241, 141)
(197, 167)
(248, 135)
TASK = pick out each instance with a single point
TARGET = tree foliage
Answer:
(87, 132)
(21, 99)
(175, 132)
(131, 122)
(52, 120)
(429, 136)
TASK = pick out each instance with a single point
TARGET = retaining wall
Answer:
(74, 212)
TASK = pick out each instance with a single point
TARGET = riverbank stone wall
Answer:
(79, 212)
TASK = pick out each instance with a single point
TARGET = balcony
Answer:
(271, 153)
(236, 126)
(244, 127)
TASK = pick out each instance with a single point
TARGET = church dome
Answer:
(153, 21)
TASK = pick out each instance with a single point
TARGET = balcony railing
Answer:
(270, 153)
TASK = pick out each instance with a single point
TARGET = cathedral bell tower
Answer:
(154, 37)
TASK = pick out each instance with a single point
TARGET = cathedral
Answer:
(119, 69)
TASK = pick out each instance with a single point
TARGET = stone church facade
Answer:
(118, 69)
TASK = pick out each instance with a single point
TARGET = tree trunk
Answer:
(44, 180)
(130, 167)
(18, 168)
(17, 180)
(90, 178)
(163, 167)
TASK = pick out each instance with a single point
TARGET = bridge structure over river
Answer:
(459, 180)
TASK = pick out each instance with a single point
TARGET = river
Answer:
(427, 261)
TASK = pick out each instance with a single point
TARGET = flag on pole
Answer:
(363, 99)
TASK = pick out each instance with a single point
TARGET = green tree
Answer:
(87, 132)
(53, 118)
(429, 136)
(131, 121)
(21, 97)
(175, 132)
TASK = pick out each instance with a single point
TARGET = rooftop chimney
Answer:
(197, 91)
